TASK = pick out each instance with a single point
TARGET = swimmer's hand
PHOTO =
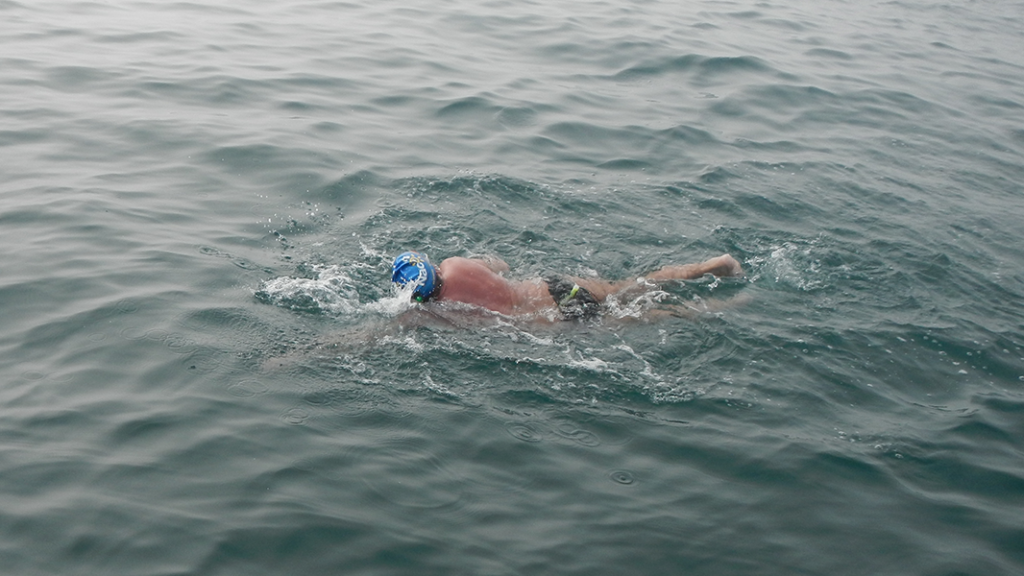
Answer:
(722, 266)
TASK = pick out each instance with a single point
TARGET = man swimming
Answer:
(479, 282)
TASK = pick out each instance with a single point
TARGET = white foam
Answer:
(636, 307)
(590, 364)
(789, 264)
(393, 305)
(330, 290)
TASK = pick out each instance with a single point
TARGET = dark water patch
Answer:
(782, 24)
(471, 109)
(828, 53)
(1017, 134)
(688, 135)
(706, 70)
(22, 137)
(394, 101)
(566, 50)
(328, 127)
(359, 185)
(625, 164)
(729, 108)
(144, 430)
(251, 158)
(518, 117)
(77, 78)
(293, 106)
(716, 175)
(137, 37)
(781, 208)
(934, 470)
(1006, 405)
(254, 546)
(217, 91)
(785, 146)
(778, 96)
(576, 133)
(975, 432)
(386, 471)
(324, 84)
(720, 66)
(996, 106)
(745, 15)
(1001, 421)
(51, 422)
(896, 99)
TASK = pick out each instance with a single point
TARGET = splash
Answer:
(636, 307)
(327, 290)
(791, 265)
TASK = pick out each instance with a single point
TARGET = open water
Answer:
(203, 369)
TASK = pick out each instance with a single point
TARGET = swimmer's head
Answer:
(413, 269)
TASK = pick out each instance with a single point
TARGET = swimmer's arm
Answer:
(724, 265)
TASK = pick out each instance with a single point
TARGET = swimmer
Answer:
(480, 282)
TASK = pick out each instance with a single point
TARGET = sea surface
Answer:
(205, 371)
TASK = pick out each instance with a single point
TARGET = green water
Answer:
(204, 370)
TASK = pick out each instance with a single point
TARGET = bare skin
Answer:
(479, 282)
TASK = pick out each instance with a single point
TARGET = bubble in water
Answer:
(581, 437)
(523, 432)
(624, 477)
(247, 388)
(179, 342)
(295, 416)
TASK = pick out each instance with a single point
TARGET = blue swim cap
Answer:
(414, 269)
